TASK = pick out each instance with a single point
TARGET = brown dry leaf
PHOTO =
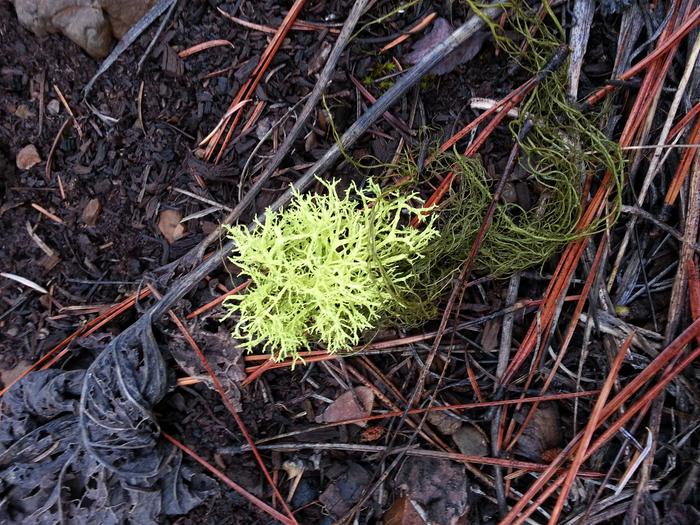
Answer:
(440, 31)
(91, 212)
(541, 434)
(470, 441)
(444, 423)
(28, 157)
(404, 512)
(169, 225)
(345, 407)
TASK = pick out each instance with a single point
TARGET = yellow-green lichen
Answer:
(325, 269)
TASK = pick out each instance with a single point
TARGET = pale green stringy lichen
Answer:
(564, 149)
(325, 269)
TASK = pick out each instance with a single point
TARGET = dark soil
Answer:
(134, 173)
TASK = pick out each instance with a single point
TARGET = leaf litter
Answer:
(83, 446)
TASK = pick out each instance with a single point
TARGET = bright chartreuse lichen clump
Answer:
(325, 269)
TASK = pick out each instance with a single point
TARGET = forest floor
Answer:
(123, 186)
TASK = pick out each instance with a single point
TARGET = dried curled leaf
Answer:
(83, 446)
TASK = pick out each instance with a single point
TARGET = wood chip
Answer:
(172, 64)
(91, 212)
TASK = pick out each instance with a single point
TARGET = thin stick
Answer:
(49, 159)
(689, 25)
(656, 161)
(217, 301)
(436, 454)
(87, 329)
(438, 408)
(503, 356)
(249, 87)
(666, 356)
(590, 428)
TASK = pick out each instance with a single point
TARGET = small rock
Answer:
(91, 212)
(89, 23)
(80, 20)
(53, 107)
(123, 14)
(263, 127)
(470, 441)
(28, 157)
(169, 225)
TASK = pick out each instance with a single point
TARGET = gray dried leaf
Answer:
(438, 486)
(83, 446)
(440, 31)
